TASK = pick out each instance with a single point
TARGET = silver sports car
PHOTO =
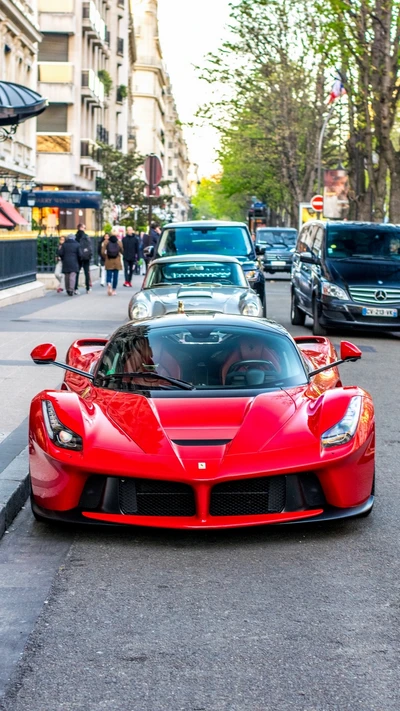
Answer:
(194, 283)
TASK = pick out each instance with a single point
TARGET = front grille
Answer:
(247, 497)
(148, 497)
(367, 295)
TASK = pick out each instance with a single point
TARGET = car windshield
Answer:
(277, 236)
(231, 241)
(372, 242)
(205, 356)
(193, 273)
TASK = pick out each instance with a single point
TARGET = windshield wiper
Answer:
(149, 374)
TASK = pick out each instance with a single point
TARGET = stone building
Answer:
(156, 119)
(19, 42)
(84, 69)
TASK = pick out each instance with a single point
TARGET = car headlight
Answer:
(250, 309)
(346, 428)
(140, 310)
(59, 434)
(252, 275)
(337, 292)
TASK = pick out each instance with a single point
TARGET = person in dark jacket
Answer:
(102, 267)
(151, 240)
(86, 249)
(112, 250)
(130, 244)
(70, 254)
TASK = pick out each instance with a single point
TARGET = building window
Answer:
(53, 48)
(54, 119)
(170, 172)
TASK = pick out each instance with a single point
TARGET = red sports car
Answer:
(201, 421)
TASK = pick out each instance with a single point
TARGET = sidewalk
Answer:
(53, 318)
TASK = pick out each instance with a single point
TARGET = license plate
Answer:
(375, 311)
(278, 264)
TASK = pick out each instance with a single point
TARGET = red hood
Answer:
(250, 421)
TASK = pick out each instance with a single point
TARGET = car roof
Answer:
(211, 319)
(204, 223)
(196, 258)
(351, 223)
(278, 229)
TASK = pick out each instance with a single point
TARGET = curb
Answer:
(24, 292)
(14, 489)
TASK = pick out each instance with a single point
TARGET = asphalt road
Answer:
(302, 618)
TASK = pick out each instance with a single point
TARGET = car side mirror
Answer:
(308, 258)
(45, 353)
(349, 352)
(260, 250)
(149, 251)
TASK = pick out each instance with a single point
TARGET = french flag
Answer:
(337, 89)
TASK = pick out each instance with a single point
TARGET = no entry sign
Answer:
(317, 203)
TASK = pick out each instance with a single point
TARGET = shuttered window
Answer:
(53, 47)
(54, 119)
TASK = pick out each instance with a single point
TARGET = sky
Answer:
(189, 29)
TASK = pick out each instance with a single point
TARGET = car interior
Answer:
(206, 358)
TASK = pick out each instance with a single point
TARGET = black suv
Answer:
(347, 274)
(214, 237)
(278, 245)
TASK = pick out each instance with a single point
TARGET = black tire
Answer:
(317, 330)
(297, 316)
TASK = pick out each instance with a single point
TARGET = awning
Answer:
(19, 103)
(65, 198)
(11, 213)
(4, 222)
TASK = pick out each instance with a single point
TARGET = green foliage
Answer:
(123, 91)
(105, 78)
(211, 202)
(107, 228)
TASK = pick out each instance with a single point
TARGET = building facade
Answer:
(156, 118)
(20, 36)
(84, 69)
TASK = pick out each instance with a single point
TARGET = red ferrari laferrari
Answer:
(201, 421)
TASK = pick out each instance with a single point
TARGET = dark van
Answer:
(214, 237)
(347, 274)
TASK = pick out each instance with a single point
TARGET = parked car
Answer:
(347, 274)
(198, 421)
(212, 237)
(278, 245)
(195, 283)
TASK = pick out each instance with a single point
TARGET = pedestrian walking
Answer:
(130, 244)
(70, 254)
(151, 239)
(102, 266)
(58, 270)
(112, 250)
(86, 251)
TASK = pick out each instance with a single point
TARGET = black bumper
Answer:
(336, 313)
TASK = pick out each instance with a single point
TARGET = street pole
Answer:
(320, 144)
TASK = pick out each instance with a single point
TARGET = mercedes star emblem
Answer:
(380, 295)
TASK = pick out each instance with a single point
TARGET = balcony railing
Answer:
(53, 142)
(62, 6)
(120, 45)
(118, 141)
(102, 134)
(92, 82)
(90, 150)
(92, 20)
(56, 72)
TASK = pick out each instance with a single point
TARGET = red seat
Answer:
(251, 349)
(158, 357)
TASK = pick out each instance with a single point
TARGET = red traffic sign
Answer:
(317, 203)
(153, 170)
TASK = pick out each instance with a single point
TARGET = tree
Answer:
(211, 202)
(121, 186)
(271, 115)
(364, 37)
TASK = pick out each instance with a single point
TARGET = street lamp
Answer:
(31, 199)
(15, 196)
(4, 191)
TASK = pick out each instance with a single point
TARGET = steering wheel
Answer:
(251, 364)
